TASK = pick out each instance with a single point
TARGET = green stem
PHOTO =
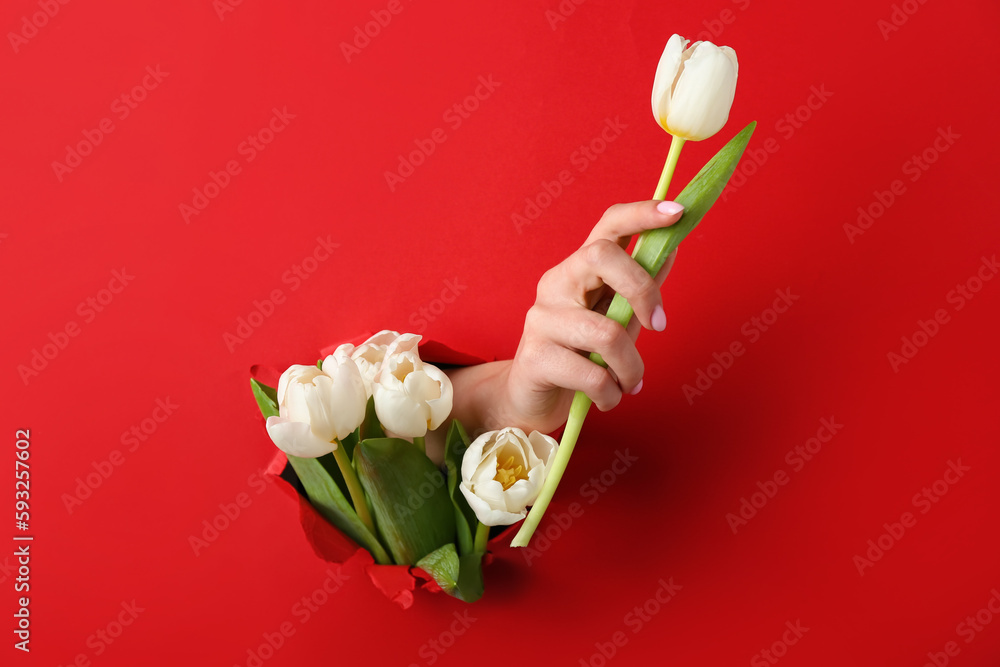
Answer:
(577, 413)
(419, 442)
(354, 487)
(676, 144)
(482, 538)
(667, 175)
(621, 312)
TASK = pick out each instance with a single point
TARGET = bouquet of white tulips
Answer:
(353, 426)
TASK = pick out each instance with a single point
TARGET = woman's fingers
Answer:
(566, 369)
(585, 331)
(634, 326)
(567, 322)
(581, 281)
(621, 221)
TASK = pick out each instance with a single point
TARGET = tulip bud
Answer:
(502, 473)
(411, 397)
(694, 88)
(317, 407)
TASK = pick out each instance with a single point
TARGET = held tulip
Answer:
(411, 397)
(502, 472)
(692, 94)
(318, 407)
(694, 88)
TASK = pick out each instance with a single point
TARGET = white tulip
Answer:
(502, 473)
(411, 397)
(318, 407)
(694, 88)
(368, 356)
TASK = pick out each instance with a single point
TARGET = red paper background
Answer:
(446, 234)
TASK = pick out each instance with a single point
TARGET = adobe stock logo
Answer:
(914, 167)
(898, 17)
(59, 340)
(752, 329)
(131, 439)
(364, 34)
(563, 11)
(779, 649)
(787, 126)
(581, 159)
(101, 639)
(927, 329)
(923, 500)
(229, 511)
(454, 116)
(591, 491)
(432, 650)
(716, 26)
(121, 107)
(635, 620)
(37, 21)
(426, 314)
(797, 458)
(305, 609)
(968, 629)
(249, 148)
(294, 277)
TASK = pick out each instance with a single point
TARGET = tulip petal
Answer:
(731, 54)
(345, 349)
(399, 413)
(348, 397)
(382, 338)
(318, 400)
(294, 406)
(419, 386)
(440, 407)
(704, 94)
(472, 456)
(490, 491)
(486, 514)
(522, 493)
(297, 439)
(293, 374)
(543, 446)
(406, 343)
(666, 75)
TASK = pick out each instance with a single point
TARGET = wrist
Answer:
(481, 396)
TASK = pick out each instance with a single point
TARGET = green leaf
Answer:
(325, 495)
(412, 511)
(465, 519)
(324, 483)
(371, 427)
(329, 463)
(350, 442)
(458, 576)
(655, 245)
(267, 398)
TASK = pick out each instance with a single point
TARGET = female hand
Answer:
(567, 322)
(534, 390)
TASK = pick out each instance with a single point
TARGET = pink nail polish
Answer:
(669, 208)
(659, 319)
(636, 389)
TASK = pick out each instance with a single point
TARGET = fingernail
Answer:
(659, 319)
(669, 208)
(636, 389)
